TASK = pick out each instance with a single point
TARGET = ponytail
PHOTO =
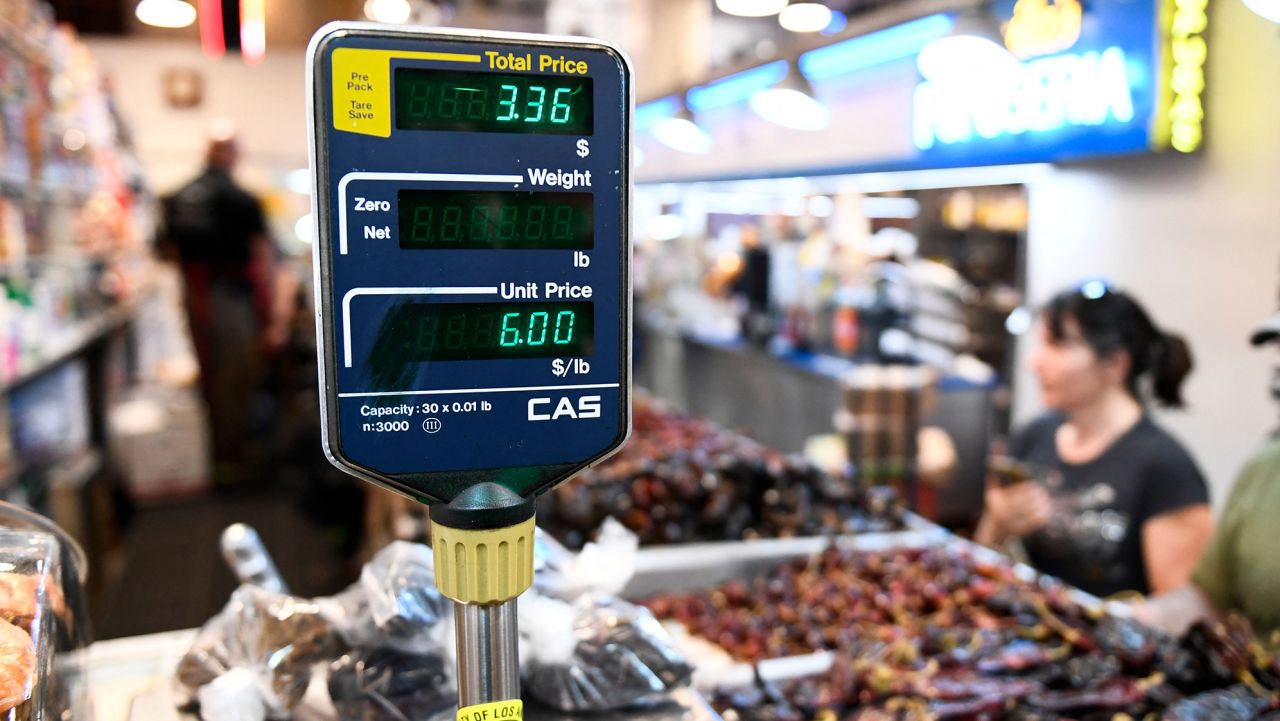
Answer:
(1171, 363)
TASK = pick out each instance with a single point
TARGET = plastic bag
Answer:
(267, 638)
(387, 685)
(599, 653)
(395, 604)
(605, 565)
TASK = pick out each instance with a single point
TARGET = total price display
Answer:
(492, 102)
(419, 332)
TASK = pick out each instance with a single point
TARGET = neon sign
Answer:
(1041, 27)
(1041, 95)
(1181, 120)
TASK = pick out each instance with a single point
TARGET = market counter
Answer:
(782, 400)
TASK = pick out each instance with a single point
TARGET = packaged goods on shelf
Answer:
(681, 479)
(955, 632)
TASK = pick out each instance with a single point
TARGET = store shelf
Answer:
(70, 343)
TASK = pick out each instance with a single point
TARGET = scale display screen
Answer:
(493, 102)
(420, 332)
(494, 219)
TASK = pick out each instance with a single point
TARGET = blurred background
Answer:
(846, 216)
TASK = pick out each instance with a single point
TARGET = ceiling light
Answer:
(680, 132)
(388, 11)
(1269, 9)
(805, 17)
(973, 52)
(791, 104)
(751, 8)
(166, 13)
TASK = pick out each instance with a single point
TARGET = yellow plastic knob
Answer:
(483, 566)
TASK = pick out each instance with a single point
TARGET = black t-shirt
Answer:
(212, 220)
(1094, 537)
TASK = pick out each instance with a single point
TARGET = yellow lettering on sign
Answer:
(362, 86)
(1041, 27)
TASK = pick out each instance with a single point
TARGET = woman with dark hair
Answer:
(1118, 504)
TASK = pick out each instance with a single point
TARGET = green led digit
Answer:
(476, 102)
(508, 103)
(536, 104)
(426, 340)
(483, 336)
(447, 108)
(420, 99)
(514, 339)
(454, 334)
(557, 106)
(541, 336)
(507, 223)
(451, 226)
(479, 228)
(566, 327)
(422, 217)
(535, 222)
(562, 225)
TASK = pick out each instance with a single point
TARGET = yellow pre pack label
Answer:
(510, 710)
(362, 86)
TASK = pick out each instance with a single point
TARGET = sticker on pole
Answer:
(509, 710)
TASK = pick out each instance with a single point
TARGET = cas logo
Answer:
(542, 409)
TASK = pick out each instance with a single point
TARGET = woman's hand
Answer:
(1012, 511)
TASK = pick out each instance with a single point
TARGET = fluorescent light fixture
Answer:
(166, 13)
(821, 206)
(388, 11)
(736, 88)
(791, 104)
(253, 30)
(751, 8)
(666, 227)
(649, 113)
(805, 17)
(839, 21)
(679, 132)
(867, 51)
(891, 208)
(212, 42)
(973, 53)
(1269, 9)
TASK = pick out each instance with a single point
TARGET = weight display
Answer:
(420, 332)
(492, 102)
(485, 220)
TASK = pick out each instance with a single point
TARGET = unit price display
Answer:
(419, 332)
(495, 220)
(492, 102)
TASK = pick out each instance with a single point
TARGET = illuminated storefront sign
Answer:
(1038, 96)
(1088, 80)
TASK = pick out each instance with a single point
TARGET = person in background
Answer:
(217, 233)
(1119, 505)
(1240, 570)
(753, 285)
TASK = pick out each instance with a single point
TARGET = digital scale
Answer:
(471, 196)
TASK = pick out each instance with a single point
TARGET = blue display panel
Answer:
(473, 282)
